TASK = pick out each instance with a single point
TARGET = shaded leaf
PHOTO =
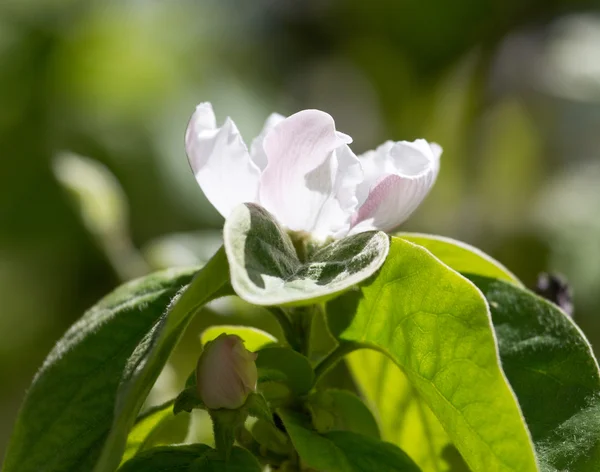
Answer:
(340, 410)
(69, 408)
(191, 458)
(188, 400)
(282, 364)
(150, 356)
(343, 451)
(268, 436)
(553, 372)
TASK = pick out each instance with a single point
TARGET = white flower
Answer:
(302, 171)
(226, 373)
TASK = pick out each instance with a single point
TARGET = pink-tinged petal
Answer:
(398, 176)
(220, 161)
(257, 150)
(310, 180)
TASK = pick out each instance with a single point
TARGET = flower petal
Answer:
(256, 148)
(220, 161)
(310, 180)
(398, 176)
(335, 216)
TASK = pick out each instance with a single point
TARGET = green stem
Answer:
(286, 327)
(332, 359)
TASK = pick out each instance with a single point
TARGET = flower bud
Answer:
(226, 373)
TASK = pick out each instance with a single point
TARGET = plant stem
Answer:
(332, 359)
(286, 326)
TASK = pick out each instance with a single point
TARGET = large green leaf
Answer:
(553, 372)
(192, 458)
(462, 257)
(343, 451)
(265, 268)
(146, 362)
(69, 408)
(436, 326)
(405, 417)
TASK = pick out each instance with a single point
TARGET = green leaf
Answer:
(144, 428)
(282, 364)
(191, 458)
(344, 451)
(146, 362)
(69, 408)
(436, 326)
(404, 416)
(265, 269)
(254, 338)
(553, 372)
(341, 410)
(462, 257)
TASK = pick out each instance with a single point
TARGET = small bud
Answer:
(226, 373)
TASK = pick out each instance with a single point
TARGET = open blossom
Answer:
(303, 172)
(226, 373)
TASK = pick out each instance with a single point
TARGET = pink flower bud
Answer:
(226, 373)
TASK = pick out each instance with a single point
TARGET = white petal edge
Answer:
(400, 176)
(304, 179)
(336, 213)
(220, 161)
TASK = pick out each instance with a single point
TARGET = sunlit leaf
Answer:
(254, 338)
(436, 326)
(462, 257)
(145, 427)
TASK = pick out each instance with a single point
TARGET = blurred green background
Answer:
(510, 89)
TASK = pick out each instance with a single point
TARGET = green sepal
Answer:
(225, 425)
(188, 400)
(257, 407)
